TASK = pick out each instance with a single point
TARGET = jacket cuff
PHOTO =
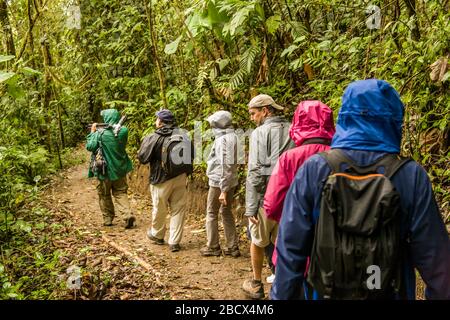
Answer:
(251, 214)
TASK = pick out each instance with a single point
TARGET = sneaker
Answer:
(254, 289)
(208, 252)
(129, 222)
(270, 278)
(174, 247)
(155, 239)
(234, 252)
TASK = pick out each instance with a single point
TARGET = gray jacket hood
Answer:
(220, 120)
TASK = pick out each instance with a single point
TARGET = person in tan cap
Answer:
(267, 142)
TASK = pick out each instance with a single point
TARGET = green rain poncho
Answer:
(118, 162)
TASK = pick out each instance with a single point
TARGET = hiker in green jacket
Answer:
(118, 164)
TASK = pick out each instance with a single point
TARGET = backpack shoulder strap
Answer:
(391, 163)
(323, 141)
(335, 158)
(100, 141)
(176, 137)
(164, 148)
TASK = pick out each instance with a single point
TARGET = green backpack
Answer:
(358, 231)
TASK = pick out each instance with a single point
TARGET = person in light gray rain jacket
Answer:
(222, 175)
(267, 142)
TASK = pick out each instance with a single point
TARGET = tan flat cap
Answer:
(263, 100)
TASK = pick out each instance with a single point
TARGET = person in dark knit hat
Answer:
(167, 182)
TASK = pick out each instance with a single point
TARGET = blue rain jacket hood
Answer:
(370, 118)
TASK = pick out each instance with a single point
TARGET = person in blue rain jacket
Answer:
(369, 126)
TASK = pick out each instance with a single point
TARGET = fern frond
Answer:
(248, 58)
(202, 75)
(237, 78)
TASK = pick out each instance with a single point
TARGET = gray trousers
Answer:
(214, 207)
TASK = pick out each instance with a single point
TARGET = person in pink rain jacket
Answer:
(312, 130)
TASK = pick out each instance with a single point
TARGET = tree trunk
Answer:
(30, 33)
(411, 6)
(307, 20)
(7, 31)
(61, 127)
(46, 96)
(162, 82)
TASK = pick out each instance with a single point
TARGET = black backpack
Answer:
(357, 235)
(177, 155)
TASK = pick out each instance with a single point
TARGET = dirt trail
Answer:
(185, 274)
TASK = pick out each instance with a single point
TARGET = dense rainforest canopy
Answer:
(63, 61)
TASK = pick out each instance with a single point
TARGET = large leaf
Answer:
(273, 23)
(324, 45)
(14, 88)
(446, 76)
(5, 76)
(296, 64)
(6, 58)
(196, 22)
(223, 63)
(30, 72)
(215, 16)
(16, 91)
(172, 47)
(238, 20)
(288, 51)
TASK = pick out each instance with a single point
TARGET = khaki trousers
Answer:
(118, 188)
(214, 207)
(264, 232)
(171, 194)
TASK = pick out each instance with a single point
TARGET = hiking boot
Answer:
(174, 247)
(129, 222)
(208, 252)
(254, 289)
(107, 222)
(234, 252)
(155, 239)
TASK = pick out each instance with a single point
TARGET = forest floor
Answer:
(116, 263)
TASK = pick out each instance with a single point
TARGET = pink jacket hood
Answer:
(312, 119)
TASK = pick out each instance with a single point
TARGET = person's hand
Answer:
(223, 198)
(94, 127)
(253, 219)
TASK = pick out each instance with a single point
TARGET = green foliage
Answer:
(204, 56)
(29, 249)
(172, 47)
(21, 170)
(4, 76)
(6, 58)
